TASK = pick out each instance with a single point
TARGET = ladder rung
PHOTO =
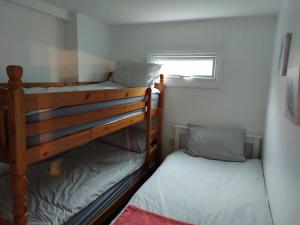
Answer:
(153, 132)
(152, 150)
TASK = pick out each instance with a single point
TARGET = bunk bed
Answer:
(41, 121)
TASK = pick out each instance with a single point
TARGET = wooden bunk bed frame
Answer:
(14, 131)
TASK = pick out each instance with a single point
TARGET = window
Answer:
(190, 68)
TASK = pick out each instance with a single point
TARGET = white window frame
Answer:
(184, 81)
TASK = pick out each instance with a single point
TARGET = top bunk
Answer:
(41, 120)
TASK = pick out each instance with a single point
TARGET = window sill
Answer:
(205, 84)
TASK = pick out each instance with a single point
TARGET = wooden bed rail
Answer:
(50, 125)
(58, 146)
(59, 99)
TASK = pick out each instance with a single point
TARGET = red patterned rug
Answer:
(135, 216)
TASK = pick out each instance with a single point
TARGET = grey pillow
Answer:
(130, 138)
(132, 74)
(226, 144)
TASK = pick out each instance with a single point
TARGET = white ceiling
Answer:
(144, 11)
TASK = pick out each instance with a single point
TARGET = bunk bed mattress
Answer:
(206, 192)
(60, 189)
(70, 110)
(78, 109)
(38, 139)
(88, 214)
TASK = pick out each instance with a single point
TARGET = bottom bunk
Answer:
(78, 187)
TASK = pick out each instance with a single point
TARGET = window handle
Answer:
(185, 76)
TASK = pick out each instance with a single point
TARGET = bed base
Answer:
(14, 130)
(120, 201)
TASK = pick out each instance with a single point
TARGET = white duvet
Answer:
(207, 192)
(60, 189)
(107, 85)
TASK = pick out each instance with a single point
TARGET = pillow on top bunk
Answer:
(226, 144)
(130, 138)
(132, 74)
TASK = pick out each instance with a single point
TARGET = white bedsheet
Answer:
(207, 192)
(107, 85)
(82, 176)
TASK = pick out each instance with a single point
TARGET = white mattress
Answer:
(84, 175)
(207, 192)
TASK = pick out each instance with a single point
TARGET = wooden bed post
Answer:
(148, 130)
(160, 117)
(17, 143)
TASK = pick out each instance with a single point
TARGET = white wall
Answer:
(282, 138)
(75, 48)
(93, 49)
(248, 45)
(31, 39)
(71, 45)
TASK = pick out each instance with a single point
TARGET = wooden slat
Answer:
(153, 149)
(154, 112)
(69, 121)
(153, 135)
(153, 132)
(52, 148)
(54, 100)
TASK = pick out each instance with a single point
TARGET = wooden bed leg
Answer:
(17, 143)
(148, 130)
(160, 118)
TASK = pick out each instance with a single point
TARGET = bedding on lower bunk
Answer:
(206, 192)
(88, 214)
(78, 109)
(62, 188)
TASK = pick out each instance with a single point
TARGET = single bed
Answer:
(74, 188)
(206, 192)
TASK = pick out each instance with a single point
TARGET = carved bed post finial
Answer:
(161, 78)
(15, 74)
